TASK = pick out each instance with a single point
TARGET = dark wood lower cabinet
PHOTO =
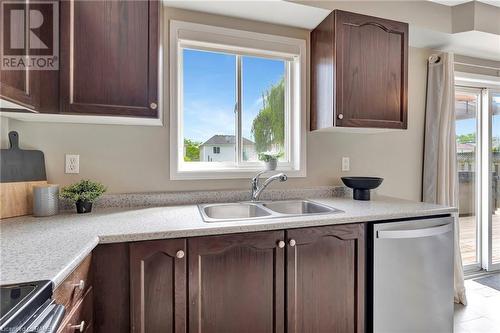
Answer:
(326, 279)
(236, 283)
(158, 286)
(295, 281)
(110, 265)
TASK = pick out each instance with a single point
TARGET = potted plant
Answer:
(83, 194)
(270, 159)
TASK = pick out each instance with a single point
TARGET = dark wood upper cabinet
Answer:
(236, 283)
(158, 286)
(20, 87)
(359, 72)
(326, 279)
(109, 57)
(34, 89)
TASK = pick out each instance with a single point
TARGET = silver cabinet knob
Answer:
(180, 254)
(80, 327)
(153, 106)
(292, 242)
(281, 244)
(340, 116)
(80, 285)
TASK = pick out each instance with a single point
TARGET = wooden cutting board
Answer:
(16, 198)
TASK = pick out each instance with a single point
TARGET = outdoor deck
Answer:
(468, 238)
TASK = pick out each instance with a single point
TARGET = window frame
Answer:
(186, 35)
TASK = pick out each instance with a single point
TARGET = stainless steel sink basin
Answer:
(297, 207)
(262, 210)
(232, 211)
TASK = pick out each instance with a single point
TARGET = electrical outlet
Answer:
(346, 164)
(72, 164)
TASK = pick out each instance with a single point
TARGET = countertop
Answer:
(50, 248)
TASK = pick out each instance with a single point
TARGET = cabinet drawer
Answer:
(75, 285)
(81, 313)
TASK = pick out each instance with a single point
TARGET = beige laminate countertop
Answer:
(50, 248)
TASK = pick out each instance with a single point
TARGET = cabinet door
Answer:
(371, 71)
(109, 57)
(111, 284)
(326, 279)
(158, 286)
(236, 283)
(19, 87)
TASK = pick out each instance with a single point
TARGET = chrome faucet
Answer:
(257, 190)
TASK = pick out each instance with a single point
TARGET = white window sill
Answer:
(243, 173)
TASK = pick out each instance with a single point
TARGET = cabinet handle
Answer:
(292, 242)
(80, 285)
(281, 244)
(340, 116)
(153, 106)
(78, 327)
(180, 254)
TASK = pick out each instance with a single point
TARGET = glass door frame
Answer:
(488, 86)
(474, 267)
(487, 182)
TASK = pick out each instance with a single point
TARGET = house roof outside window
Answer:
(219, 139)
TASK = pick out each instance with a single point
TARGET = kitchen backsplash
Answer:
(155, 199)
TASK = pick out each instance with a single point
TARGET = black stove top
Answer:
(20, 301)
(12, 295)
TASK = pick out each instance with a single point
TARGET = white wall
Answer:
(4, 129)
(226, 153)
(136, 158)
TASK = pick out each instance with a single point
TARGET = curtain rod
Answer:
(434, 58)
(479, 66)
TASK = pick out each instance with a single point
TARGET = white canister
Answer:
(45, 200)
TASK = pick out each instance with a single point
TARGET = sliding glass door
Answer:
(477, 115)
(494, 151)
(467, 110)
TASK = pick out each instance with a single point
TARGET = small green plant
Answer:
(268, 156)
(83, 191)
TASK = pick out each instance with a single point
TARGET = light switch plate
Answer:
(72, 164)
(346, 164)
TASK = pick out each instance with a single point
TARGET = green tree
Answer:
(268, 127)
(466, 138)
(192, 150)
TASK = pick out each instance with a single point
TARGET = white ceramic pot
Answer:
(271, 165)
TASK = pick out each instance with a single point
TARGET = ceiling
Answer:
(459, 2)
(470, 43)
(270, 11)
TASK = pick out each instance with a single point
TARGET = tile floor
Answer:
(482, 314)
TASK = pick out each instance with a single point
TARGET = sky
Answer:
(210, 92)
(467, 126)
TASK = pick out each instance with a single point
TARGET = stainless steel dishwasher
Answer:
(413, 276)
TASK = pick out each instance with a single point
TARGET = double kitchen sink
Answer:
(222, 212)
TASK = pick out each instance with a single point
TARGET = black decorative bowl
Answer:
(362, 186)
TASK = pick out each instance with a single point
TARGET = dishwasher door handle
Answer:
(415, 233)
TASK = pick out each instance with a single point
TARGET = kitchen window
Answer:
(235, 94)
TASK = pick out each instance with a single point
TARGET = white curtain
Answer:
(440, 178)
